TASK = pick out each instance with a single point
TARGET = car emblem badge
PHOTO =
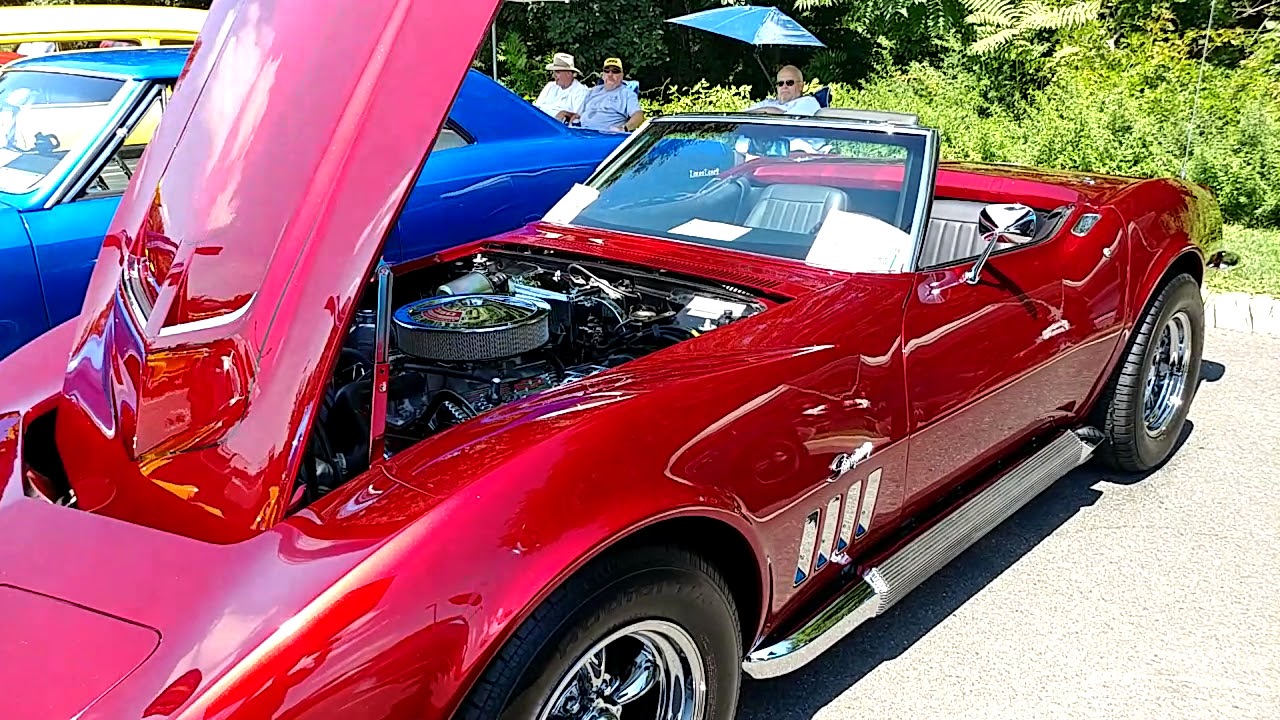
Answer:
(844, 462)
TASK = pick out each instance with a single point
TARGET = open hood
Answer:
(256, 215)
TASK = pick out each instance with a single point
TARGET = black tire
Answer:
(610, 593)
(1127, 445)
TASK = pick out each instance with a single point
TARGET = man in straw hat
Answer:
(562, 97)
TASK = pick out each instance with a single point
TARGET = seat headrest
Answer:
(800, 193)
(956, 210)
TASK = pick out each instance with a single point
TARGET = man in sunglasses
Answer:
(611, 105)
(790, 100)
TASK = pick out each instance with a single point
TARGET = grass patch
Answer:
(1259, 269)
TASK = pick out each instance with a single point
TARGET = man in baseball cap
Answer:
(611, 105)
(562, 98)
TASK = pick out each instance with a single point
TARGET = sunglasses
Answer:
(786, 83)
(611, 71)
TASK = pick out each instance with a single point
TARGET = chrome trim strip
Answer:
(868, 504)
(826, 546)
(140, 311)
(880, 586)
(924, 197)
(207, 323)
(850, 514)
(854, 607)
(808, 541)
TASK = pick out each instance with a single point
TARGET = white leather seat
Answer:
(794, 208)
(952, 234)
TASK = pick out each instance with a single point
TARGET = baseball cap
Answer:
(612, 62)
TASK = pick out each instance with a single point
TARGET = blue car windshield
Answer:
(828, 194)
(48, 119)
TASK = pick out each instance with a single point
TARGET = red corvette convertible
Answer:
(738, 393)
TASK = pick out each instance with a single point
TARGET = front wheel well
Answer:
(1188, 263)
(726, 549)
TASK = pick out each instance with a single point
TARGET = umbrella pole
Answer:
(493, 44)
(767, 77)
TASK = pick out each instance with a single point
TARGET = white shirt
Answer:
(803, 105)
(554, 98)
(30, 49)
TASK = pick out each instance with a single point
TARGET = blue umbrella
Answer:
(752, 24)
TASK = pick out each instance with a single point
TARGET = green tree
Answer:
(1024, 25)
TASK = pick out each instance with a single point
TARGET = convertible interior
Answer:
(783, 217)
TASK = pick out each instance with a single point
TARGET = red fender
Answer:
(408, 631)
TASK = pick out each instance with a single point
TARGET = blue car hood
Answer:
(5, 204)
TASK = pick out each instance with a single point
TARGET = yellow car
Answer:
(48, 28)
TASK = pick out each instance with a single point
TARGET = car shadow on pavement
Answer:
(803, 693)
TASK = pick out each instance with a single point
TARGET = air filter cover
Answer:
(471, 328)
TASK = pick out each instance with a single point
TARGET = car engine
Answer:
(475, 334)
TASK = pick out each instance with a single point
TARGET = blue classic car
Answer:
(73, 127)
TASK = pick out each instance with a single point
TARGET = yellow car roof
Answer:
(69, 23)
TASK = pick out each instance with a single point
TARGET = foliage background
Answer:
(1073, 84)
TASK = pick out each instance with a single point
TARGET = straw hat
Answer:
(563, 61)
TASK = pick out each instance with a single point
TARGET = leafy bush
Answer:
(702, 97)
(1127, 112)
(1259, 268)
(952, 101)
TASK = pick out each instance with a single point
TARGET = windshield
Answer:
(838, 197)
(47, 119)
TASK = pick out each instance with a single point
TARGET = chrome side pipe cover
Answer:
(884, 584)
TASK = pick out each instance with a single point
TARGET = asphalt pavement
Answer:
(1105, 597)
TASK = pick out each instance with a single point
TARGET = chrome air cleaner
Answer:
(472, 328)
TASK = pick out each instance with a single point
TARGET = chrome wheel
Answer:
(651, 669)
(1167, 374)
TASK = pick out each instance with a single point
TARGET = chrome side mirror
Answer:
(1014, 223)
